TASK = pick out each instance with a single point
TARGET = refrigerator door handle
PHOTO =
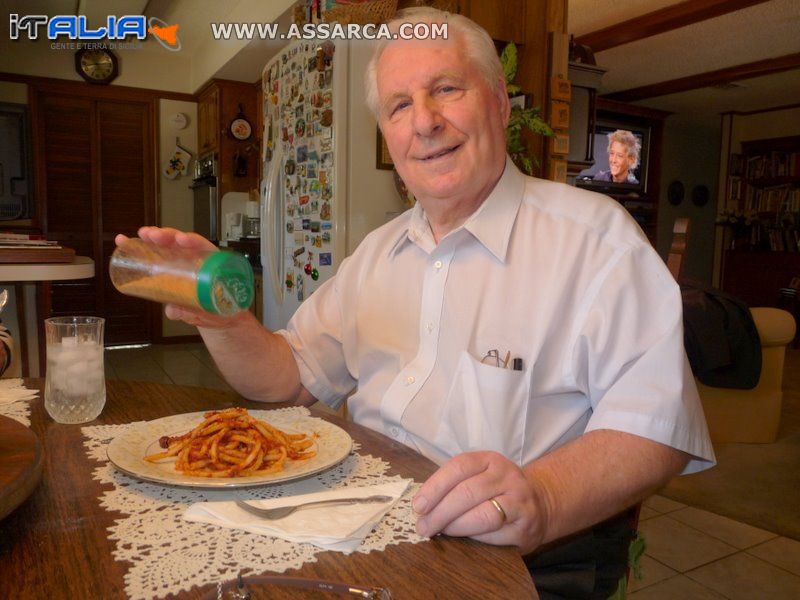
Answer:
(272, 224)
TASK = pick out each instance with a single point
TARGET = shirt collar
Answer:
(490, 224)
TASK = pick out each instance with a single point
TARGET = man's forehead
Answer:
(447, 62)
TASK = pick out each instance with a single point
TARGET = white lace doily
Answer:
(169, 555)
(19, 410)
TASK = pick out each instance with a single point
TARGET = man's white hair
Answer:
(477, 44)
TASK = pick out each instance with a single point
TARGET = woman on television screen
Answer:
(623, 158)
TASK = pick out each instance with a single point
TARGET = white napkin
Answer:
(340, 528)
(12, 390)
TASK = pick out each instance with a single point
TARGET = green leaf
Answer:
(508, 59)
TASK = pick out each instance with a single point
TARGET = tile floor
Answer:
(691, 554)
(698, 555)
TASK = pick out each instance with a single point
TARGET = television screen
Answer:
(620, 159)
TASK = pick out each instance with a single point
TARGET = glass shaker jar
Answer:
(218, 282)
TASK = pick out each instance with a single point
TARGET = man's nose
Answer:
(427, 117)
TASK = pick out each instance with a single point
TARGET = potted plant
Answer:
(522, 119)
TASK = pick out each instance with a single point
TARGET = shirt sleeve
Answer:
(630, 361)
(315, 335)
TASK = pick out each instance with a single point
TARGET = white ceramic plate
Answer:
(127, 451)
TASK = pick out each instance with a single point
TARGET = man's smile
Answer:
(439, 153)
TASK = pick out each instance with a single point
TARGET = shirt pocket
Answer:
(485, 409)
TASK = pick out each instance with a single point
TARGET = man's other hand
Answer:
(485, 496)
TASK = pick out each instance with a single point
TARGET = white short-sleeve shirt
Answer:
(558, 277)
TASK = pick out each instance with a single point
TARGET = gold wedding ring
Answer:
(496, 504)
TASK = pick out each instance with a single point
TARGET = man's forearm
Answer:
(272, 377)
(597, 476)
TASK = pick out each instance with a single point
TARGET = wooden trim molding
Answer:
(692, 82)
(631, 110)
(107, 92)
(659, 21)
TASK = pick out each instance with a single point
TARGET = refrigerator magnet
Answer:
(315, 206)
(289, 167)
(299, 238)
(306, 223)
(300, 127)
(314, 226)
(323, 177)
(289, 227)
(304, 200)
(318, 241)
(326, 237)
(324, 259)
(326, 118)
(326, 224)
(325, 211)
(311, 170)
(302, 154)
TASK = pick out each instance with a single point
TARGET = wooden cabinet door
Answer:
(66, 189)
(208, 120)
(503, 21)
(94, 178)
(125, 203)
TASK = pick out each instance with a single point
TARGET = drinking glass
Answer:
(75, 383)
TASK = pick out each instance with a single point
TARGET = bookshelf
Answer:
(763, 188)
(762, 212)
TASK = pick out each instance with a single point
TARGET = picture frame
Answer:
(559, 115)
(557, 170)
(383, 160)
(522, 101)
(559, 143)
(560, 89)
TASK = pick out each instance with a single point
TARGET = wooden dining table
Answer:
(56, 543)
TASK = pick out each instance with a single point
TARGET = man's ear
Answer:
(503, 102)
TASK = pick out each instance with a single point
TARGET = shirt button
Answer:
(438, 264)
(394, 431)
(410, 379)
(429, 327)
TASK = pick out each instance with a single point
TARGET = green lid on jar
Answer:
(225, 283)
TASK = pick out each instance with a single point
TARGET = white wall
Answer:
(690, 154)
(372, 196)
(15, 93)
(175, 199)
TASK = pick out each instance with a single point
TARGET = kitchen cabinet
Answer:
(219, 103)
(207, 127)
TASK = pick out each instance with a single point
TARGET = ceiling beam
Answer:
(659, 21)
(710, 78)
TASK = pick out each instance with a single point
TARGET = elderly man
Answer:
(421, 326)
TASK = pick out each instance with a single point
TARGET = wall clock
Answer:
(97, 65)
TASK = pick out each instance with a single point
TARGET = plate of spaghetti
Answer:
(230, 448)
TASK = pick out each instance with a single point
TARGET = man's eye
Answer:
(447, 89)
(400, 106)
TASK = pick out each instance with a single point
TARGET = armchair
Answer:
(738, 415)
(753, 416)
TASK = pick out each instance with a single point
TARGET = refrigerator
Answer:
(321, 190)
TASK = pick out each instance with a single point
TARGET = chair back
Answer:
(679, 247)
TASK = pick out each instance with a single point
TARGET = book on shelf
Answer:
(772, 164)
(736, 166)
(9, 235)
(21, 243)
